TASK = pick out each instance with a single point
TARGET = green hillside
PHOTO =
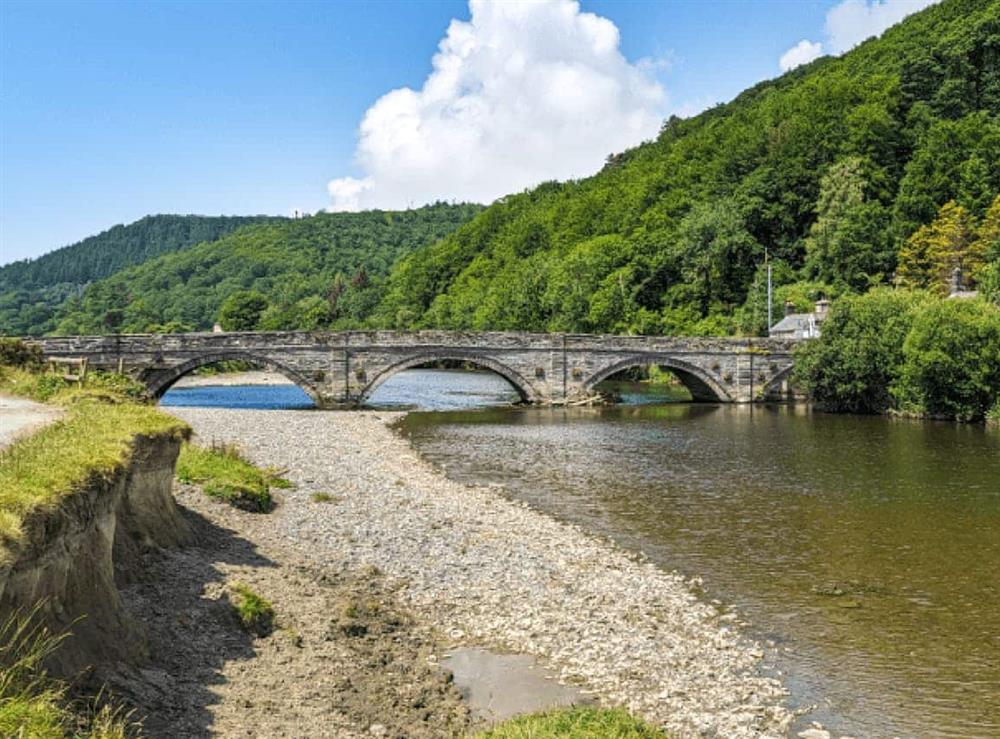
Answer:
(830, 168)
(327, 269)
(30, 289)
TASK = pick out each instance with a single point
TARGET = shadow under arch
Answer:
(779, 387)
(516, 380)
(703, 387)
(160, 381)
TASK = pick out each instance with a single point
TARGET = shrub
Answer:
(575, 723)
(255, 613)
(223, 473)
(951, 360)
(16, 353)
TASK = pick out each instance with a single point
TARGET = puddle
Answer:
(498, 686)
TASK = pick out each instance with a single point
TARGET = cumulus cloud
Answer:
(848, 24)
(852, 21)
(521, 93)
(802, 53)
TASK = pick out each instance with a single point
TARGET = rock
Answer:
(814, 734)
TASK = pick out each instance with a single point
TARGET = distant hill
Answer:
(326, 269)
(830, 168)
(30, 289)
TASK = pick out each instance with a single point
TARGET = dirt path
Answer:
(20, 417)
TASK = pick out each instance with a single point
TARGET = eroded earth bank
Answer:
(448, 565)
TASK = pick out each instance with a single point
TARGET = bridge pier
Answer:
(342, 369)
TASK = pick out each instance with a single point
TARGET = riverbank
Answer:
(490, 572)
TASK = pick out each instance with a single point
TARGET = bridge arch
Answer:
(159, 381)
(524, 388)
(700, 383)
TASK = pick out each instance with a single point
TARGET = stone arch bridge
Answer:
(339, 369)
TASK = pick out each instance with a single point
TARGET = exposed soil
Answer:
(345, 660)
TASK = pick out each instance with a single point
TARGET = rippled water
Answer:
(866, 549)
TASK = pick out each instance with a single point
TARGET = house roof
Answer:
(793, 322)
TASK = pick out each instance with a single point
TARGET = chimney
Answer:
(956, 281)
(789, 307)
(822, 309)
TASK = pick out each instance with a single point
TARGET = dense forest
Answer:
(828, 171)
(31, 289)
(324, 270)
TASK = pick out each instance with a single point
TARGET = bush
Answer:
(575, 723)
(15, 353)
(856, 362)
(255, 613)
(223, 473)
(951, 360)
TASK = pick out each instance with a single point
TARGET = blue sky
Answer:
(114, 110)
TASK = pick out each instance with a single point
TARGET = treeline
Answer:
(321, 271)
(828, 171)
(31, 289)
(906, 352)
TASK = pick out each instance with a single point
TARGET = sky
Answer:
(113, 110)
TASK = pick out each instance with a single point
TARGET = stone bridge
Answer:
(340, 369)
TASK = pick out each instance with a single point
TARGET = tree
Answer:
(857, 360)
(987, 244)
(951, 360)
(930, 255)
(241, 311)
(849, 244)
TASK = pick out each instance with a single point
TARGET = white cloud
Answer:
(521, 93)
(853, 21)
(802, 53)
(848, 24)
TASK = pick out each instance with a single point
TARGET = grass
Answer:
(34, 705)
(574, 723)
(324, 498)
(92, 441)
(223, 473)
(255, 613)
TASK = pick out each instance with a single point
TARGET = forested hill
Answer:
(831, 168)
(324, 270)
(30, 289)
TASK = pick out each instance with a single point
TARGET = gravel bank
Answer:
(490, 571)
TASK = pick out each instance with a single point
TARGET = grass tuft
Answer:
(223, 473)
(34, 705)
(255, 613)
(574, 723)
(324, 498)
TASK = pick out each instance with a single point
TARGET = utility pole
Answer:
(770, 322)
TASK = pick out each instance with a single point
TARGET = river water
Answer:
(865, 550)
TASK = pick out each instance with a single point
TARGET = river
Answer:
(865, 550)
